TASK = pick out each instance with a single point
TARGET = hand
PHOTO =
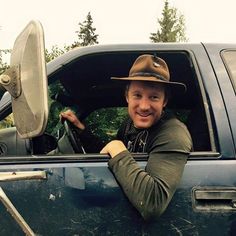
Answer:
(70, 115)
(113, 148)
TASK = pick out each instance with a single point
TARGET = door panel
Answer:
(81, 199)
(84, 199)
(215, 53)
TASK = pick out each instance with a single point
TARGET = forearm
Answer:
(149, 191)
(90, 142)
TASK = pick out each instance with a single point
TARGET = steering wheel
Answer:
(73, 136)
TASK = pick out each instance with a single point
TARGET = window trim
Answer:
(226, 62)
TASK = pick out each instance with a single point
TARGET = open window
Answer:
(88, 87)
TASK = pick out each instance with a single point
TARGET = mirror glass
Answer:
(30, 109)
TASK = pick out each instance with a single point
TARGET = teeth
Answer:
(144, 115)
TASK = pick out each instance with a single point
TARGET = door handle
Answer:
(215, 194)
(214, 198)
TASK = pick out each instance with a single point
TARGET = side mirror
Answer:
(26, 81)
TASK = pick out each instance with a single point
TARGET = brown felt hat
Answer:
(151, 68)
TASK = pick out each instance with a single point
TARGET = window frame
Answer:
(230, 65)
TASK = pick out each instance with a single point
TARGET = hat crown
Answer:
(153, 69)
(150, 66)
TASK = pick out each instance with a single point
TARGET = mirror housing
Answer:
(26, 81)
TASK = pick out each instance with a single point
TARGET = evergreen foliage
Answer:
(172, 26)
(55, 52)
(105, 122)
(86, 34)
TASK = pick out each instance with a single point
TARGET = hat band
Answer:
(146, 74)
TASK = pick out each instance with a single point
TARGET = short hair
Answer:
(150, 84)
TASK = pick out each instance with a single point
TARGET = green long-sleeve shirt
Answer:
(151, 190)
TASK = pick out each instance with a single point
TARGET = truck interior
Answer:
(87, 85)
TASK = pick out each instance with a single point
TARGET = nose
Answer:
(144, 104)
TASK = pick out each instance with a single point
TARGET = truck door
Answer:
(76, 194)
(204, 202)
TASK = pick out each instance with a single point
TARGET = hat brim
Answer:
(180, 86)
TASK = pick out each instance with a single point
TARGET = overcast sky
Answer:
(116, 21)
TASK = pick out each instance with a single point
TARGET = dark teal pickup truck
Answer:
(74, 192)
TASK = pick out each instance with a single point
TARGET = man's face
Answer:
(146, 101)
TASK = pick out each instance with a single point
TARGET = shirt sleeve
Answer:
(90, 142)
(151, 190)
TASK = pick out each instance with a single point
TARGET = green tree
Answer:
(105, 122)
(53, 90)
(86, 34)
(8, 121)
(55, 52)
(172, 26)
(3, 65)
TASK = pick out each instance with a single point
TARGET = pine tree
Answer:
(172, 26)
(86, 34)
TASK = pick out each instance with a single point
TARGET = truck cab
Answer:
(51, 187)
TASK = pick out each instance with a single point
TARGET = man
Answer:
(151, 130)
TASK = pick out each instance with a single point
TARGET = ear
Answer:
(126, 97)
(165, 102)
(126, 92)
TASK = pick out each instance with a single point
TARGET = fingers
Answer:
(104, 150)
(70, 115)
(113, 148)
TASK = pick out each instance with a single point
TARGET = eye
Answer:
(136, 95)
(155, 97)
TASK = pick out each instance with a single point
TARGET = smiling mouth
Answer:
(144, 115)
